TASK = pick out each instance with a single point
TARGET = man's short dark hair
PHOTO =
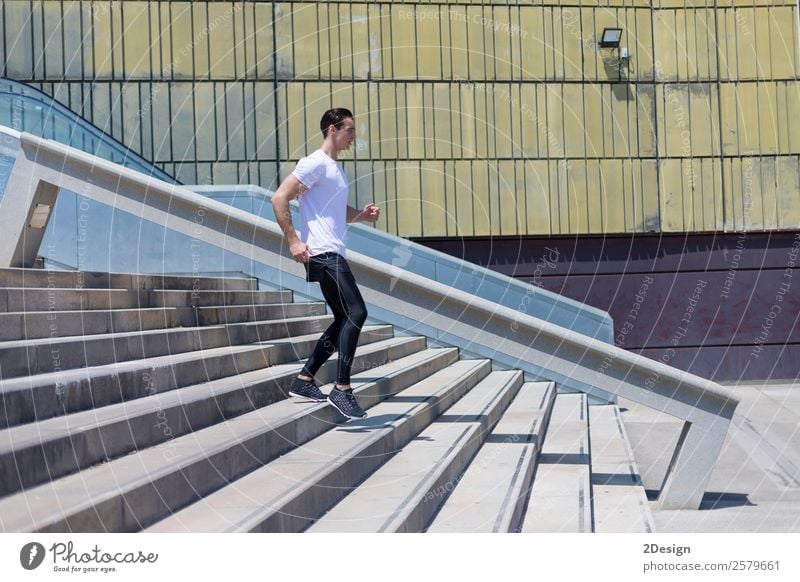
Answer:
(334, 117)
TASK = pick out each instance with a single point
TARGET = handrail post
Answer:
(20, 239)
(691, 466)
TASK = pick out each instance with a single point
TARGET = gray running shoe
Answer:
(345, 402)
(307, 389)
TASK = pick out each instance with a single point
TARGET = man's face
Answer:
(344, 136)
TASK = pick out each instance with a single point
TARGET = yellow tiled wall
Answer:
(474, 118)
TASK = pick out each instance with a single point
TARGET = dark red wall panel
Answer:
(725, 306)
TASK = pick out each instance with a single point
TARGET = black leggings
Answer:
(344, 299)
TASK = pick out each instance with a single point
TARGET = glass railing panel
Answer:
(25, 108)
(9, 148)
(89, 236)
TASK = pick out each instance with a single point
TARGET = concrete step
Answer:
(242, 313)
(492, 492)
(18, 299)
(41, 356)
(180, 298)
(29, 398)
(561, 497)
(287, 494)
(34, 453)
(618, 495)
(50, 324)
(403, 494)
(42, 278)
(137, 490)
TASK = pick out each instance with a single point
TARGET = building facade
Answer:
(484, 127)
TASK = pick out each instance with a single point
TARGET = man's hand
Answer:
(300, 251)
(371, 213)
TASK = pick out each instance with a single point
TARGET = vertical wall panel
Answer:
(646, 120)
(503, 37)
(642, 45)
(442, 124)
(620, 98)
(783, 42)
(205, 122)
(434, 207)
(101, 35)
(428, 43)
(226, 49)
(182, 122)
(305, 41)
(537, 199)
(612, 195)
(480, 192)
(746, 47)
(465, 199)
(508, 209)
(767, 118)
(52, 55)
(284, 45)
(409, 198)
(476, 51)
(403, 41)
(266, 124)
(793, 113)
(134, 40)
(787, 178)
(360, 41)
(360, 108)
(650, 195)
(235, 115)
(388, 121)
(182, 56)
(533, 46)
(574, 125)
(450, 186)
(345, 34)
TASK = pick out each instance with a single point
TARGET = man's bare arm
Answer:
(370, 213)
(290, 189)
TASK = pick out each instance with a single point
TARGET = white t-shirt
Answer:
(323, 207)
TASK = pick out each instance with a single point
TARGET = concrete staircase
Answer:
(158, 403)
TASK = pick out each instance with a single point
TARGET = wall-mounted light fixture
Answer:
(611, 38)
